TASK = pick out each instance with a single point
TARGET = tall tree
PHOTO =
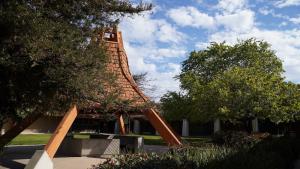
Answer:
(48, 58)
(239, 81)
(176, 106)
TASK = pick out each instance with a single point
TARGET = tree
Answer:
(143, 82)
(50, 55)
(236, 82)
(176, 106)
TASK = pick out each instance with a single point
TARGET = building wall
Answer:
(43, 125)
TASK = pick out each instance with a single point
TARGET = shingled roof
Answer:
(118, 65)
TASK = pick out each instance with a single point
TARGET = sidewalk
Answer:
(16, 157)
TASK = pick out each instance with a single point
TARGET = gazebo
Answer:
(117, 65)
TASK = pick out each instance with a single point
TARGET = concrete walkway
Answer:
(16, 157)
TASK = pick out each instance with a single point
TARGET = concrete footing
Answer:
(217, 125)
(117, 128)
(96, 147)
(40, 160)
(185, 128)
(255, 127)
(136, 127)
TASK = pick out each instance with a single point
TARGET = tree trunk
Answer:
(16, 129)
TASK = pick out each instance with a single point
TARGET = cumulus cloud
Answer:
(295, 20)
(231, 6)
(242, 20)
(286, 3)
(233, 15)
(156, 45)
(162, 81)
(142, 28)
(143, 38)
(191, 16)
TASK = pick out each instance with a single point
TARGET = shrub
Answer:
(267, 154)
(238, 139)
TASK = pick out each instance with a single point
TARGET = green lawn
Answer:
(30, 139)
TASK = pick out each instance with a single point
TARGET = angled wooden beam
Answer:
(163, 128)
(121, 124)
(16, 129)
(61, 131)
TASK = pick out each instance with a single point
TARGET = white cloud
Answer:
(164, 81)
(191, 16)
(234, 16)
(295, 20)
(230, 6)
(267, 11)
(201, 45)
(142, 37)
(286, 3)
(170, 52)
(168, 33)
(240, 21)
(141, 28)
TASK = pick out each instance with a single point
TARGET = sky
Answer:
(158, 41)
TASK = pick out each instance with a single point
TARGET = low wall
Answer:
(89, 147)
(127, 143)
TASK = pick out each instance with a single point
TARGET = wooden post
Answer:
(61, 132)
(162, 127)
(121, 124)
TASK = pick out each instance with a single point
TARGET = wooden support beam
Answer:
(61, 132)
(162, 128)
(16, 129)
(121, 124)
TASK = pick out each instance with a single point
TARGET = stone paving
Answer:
(16, 157)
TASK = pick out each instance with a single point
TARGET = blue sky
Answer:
(158, 41)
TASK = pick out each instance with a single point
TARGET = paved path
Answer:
(16, 157)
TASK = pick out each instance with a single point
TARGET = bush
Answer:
(238, 139)
(268, 154)
(181, 158)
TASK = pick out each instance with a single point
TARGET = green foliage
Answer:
(176, 106)
(237, 82)
(275, 154)
(238, 139)
(47, 59)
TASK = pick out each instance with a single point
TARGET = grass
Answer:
(31, 139)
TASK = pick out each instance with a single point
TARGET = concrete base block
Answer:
(40, 160)
(255, 127)
(96, 147)
(217, 125)
(185, 128)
